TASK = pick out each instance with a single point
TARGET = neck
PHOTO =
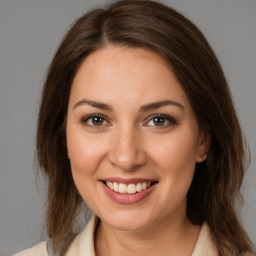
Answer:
(165, 238)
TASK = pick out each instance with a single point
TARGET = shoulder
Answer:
(83, 244)
(204, 244)
(37, 250)
(212, 249)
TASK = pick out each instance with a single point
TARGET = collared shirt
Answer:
(83, 244)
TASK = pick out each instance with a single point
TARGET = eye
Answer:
(94, 120)
(161, 121)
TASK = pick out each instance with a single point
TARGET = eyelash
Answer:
(166, 118)
(86, 119)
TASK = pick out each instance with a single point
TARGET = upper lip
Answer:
(129, 180)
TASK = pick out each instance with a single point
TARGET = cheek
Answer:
(177, 151)
(85, 154)
(175, 157)
(85, 151)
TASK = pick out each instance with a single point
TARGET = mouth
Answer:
(128, 191)
(128, 188)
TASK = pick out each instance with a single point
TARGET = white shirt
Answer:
(83, 244)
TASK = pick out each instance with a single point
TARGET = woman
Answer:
(137, 120)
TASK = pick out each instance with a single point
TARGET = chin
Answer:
(128, 221)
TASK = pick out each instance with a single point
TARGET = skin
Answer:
(128, 143)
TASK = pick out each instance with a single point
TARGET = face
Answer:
(132, 138)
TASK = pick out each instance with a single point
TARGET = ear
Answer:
(204, 145)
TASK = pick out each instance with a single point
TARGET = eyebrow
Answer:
(160, 104)
(94, 104)
(143, 108)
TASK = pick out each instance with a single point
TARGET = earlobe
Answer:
(204, 145)
(202, 158)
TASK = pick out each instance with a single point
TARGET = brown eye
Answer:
(94, 121)
(159, 121)
(97, 120)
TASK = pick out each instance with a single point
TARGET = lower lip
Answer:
(127, 198)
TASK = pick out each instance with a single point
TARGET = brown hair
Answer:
(215, 188)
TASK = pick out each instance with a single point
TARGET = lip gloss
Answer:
(127, 198)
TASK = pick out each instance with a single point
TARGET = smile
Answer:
(128, 191)
(128, 188)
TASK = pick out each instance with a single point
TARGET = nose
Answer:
(126, 150)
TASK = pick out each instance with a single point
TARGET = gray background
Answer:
(30, 31)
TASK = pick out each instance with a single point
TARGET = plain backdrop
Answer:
(30, 31)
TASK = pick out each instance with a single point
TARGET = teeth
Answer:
(139, 187)
(109, 184)
(131, 188)
(128, 189)
(115, 187)
(144, 185)
(122, 188)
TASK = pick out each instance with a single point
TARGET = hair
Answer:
(212, 197)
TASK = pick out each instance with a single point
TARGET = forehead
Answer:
(134, 75)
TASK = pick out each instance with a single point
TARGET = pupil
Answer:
(158, 121)
(97, 120)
